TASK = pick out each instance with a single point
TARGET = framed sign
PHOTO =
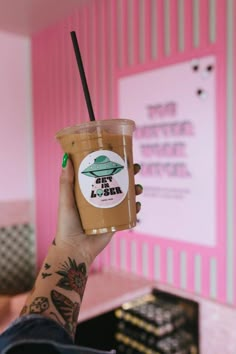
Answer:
(174, 111)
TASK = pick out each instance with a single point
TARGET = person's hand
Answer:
(69, 229)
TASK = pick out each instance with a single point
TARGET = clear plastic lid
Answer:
(117, 126)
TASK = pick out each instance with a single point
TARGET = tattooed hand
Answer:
(69, 228)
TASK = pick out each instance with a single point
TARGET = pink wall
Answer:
(16, 181)
(118, 38)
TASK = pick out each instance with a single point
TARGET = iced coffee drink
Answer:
(101, 152)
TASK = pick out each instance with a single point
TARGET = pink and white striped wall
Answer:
(118, 38)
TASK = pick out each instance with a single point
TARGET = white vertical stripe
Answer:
(141, 31)
(212, 20)
(167, 26)
(169, 265)
(183, 270)
(123, 254)
(145, 260)
(230, 151)
(130, 33)
(157, 263)
(197, 278)
(113, 252)
(181, 25)
(196, 23)
(154, 28)
(133, 257)
(213, 278)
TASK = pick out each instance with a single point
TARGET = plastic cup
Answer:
(102, 156)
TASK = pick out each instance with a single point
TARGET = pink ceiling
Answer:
(29, 16)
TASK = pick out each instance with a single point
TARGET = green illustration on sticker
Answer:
(101, 167)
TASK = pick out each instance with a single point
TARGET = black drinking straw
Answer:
(82, 75)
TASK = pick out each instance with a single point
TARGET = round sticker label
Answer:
(103, 178)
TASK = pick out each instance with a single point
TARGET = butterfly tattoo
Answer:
(68, 310)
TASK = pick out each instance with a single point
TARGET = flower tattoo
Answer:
(74, 276)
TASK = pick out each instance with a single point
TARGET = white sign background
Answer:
(177, 208)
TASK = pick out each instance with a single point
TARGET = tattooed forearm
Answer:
(61, 271)
(68, 310)
(73, 276)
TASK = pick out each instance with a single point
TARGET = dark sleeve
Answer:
(36, 334)
(34, 327)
